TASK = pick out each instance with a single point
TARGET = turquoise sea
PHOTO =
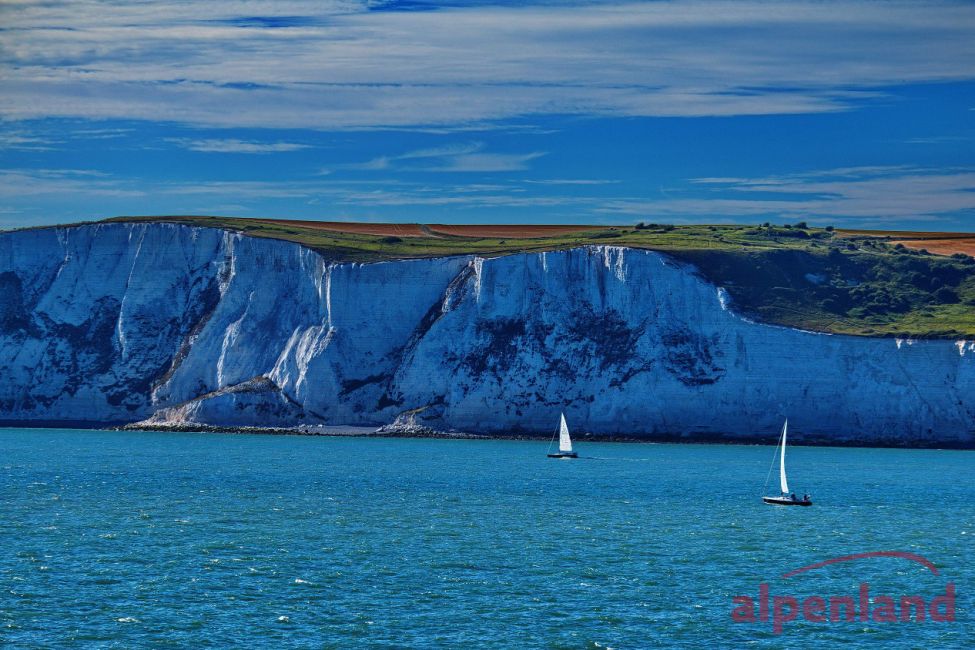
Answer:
(124, 540)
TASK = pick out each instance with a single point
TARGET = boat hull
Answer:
(564, 454)
(786, 501)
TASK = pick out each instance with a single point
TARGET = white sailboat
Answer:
(786, 498)
(565, 442)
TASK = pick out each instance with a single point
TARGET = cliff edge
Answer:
(180, 325)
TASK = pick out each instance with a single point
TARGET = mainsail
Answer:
(565, 442)
(785, 483)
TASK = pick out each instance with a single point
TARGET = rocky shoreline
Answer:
(392, 431)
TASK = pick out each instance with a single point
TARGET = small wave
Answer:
(127, 619)
(299, 581)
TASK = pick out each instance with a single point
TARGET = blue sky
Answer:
(857, 114)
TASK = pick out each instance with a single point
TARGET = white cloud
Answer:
(571, 181)
(893, 193)
(336, 65)
(446, 151)
(237, 146)
(464, 157)
(942, 139)
(24, 140)
(38, 187)
(99, 134)
(486, 162)
(872, 196)
(45, 183)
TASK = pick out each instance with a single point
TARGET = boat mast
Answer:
(782, 479)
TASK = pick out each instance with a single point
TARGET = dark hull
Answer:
(785, 501)
(568, 454)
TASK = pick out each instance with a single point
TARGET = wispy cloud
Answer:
(100, 133)
(237, 146)
(571, 181)
(136, 196)
(21, 137)
(487, 162)
(942, 139)
(21, 183)
(338, 65)
(852, 196)
(462, 157)
(23, 140)
(891, 193)
(445, 151)
(860, 172)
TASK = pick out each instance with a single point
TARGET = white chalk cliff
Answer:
(115, 323)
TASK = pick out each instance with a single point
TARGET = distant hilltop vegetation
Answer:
(862, 282)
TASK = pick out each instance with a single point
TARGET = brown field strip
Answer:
(359, 228)
(506, 231)
(943, 246)
(940, 243)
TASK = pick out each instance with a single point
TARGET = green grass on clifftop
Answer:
(808, 278)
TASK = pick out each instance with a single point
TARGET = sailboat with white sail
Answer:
(565, 442)
(786, 498)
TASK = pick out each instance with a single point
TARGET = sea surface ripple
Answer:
(138, 539)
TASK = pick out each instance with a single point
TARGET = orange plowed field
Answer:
(944, 246)
(940, 243)
(506, 231)
(381, 229)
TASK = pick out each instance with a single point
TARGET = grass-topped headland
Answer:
(839, 281)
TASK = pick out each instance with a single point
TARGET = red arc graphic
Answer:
(859, 556)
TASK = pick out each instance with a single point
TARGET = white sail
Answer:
(565, 442)
(785, 483)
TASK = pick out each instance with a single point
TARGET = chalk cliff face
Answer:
(177, 324)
